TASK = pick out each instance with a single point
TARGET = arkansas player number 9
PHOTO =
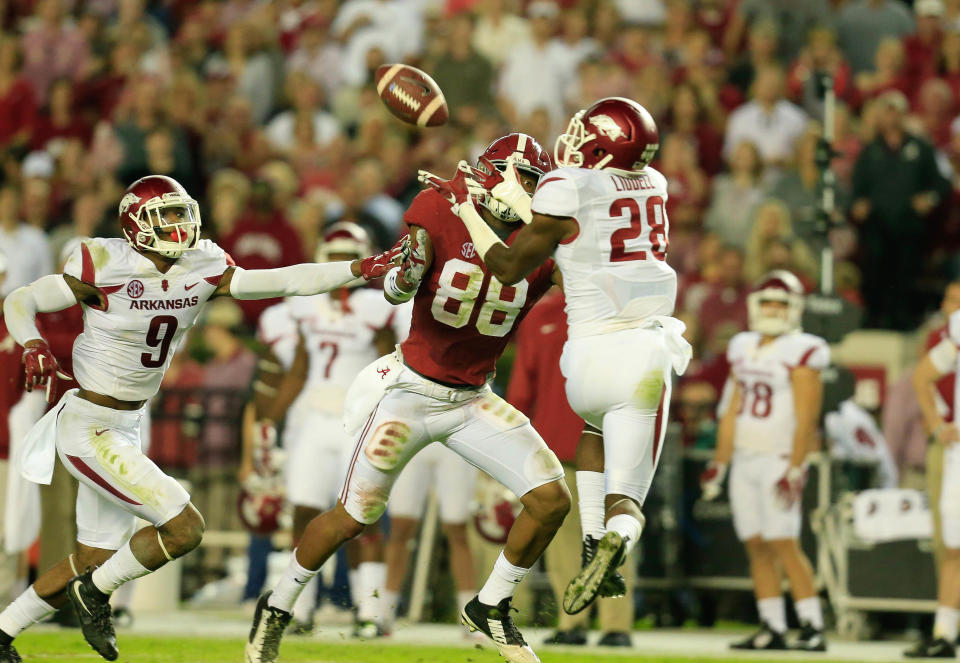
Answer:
(159, 335)
(458, 289)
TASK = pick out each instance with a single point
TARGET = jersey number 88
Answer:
(458, 290)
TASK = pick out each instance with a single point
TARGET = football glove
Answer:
(457, 189)
(376, 267)
(711, 480)
(40, 368)
(504, 185)
(413, 260)
(789, 487)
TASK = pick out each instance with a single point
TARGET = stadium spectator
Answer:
(27, 248)
(892, 212)
(793, 21)
(888, 71)
(922, 47)
(498, 30)
(736, 195)
(53, 48)
(688, 117)
(305, 117)
(18, 99)
(771, 122)
(465, 76)
(761, 52)
(773, 231)
(697, 411)
(820, 56)
(863, 24)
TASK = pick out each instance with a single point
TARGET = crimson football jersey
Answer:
(463, 316)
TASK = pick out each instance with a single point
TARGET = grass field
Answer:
(68, 647)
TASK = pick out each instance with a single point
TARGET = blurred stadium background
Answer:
(265, 111)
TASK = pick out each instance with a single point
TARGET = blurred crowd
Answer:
(266, 112)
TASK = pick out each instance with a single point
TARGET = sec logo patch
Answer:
(467, 250)
(135, 289)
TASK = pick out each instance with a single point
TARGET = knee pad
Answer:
(387, 445)
(542, 466)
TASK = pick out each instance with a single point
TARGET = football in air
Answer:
(411, 95)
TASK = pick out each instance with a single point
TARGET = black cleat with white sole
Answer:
(269, 623)
(95, 615)
(766, 639)
(810, 639)
(8, 653)
(614, 585)
(585, 586)
(936, 648)
(495, 622)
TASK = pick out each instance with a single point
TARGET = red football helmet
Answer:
(615, 133)
(261, 504)
(344, 237)
(776, 286)
(142, 216)
(530, 157)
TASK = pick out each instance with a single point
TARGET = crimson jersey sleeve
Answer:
(430, 210)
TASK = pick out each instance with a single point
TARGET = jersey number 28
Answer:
(459, 289)
(653, 215)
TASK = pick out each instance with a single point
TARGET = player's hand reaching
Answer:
(413, 260)
(503, 185)
(457, 190)
(41, 368)
(790, 486)
(376, 267)
(711, 480)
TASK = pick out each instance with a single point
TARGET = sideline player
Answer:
(140, 295)
(764, 436)
(939, 361)
(339, 333)
(602, 217)
(435, 388)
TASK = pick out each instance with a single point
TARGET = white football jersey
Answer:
(767, 419)
(953, 331)
(339, 338)
(127, 345)
(614, 270)
(277, 329)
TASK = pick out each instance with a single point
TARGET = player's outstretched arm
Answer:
(303, 279)
(533, 245)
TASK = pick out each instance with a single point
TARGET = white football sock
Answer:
(292, 582)
(120, 568)
(809, 610)
(945, 623)
(373, 576)
(502, 582)
(590, 495)
(353, 579)
(626, 526)
(306, 603)
(774, 613)
(464, 597)
(390, 599)
(27, 609)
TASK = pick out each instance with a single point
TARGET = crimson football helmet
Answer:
(776, 286)
(142, 216)
(531, 159)
(615, 134)
(344, 237)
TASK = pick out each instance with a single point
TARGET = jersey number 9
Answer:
(159, 335)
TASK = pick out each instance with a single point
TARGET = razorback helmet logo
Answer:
(127, 201)
(608, 127)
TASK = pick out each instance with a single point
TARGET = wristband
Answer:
(393, 290)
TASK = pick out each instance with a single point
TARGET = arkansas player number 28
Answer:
(653, 215)
(460, 287)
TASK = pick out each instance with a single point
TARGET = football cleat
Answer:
(765, 638)
(575, 636)
(369, 630)
(810, 639)
(495, 622)
(937, 648)
(615, 639)
(8, 654)
(614, 585)
(263, 645)
(585, 586)
(95, 615)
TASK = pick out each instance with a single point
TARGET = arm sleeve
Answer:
(943, 356)
(46, 294)
(304, 279)
(556, 196)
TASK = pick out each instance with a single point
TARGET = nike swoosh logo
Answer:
(76, 592)
(420, 84)
(98, 433)
(188, 287)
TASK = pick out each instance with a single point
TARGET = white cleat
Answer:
(263, 644)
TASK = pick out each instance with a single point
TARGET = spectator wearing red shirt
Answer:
(537, 389)
(262, 239)
(53, 48)
(18, 99)
(60, 121)
(921, 48)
